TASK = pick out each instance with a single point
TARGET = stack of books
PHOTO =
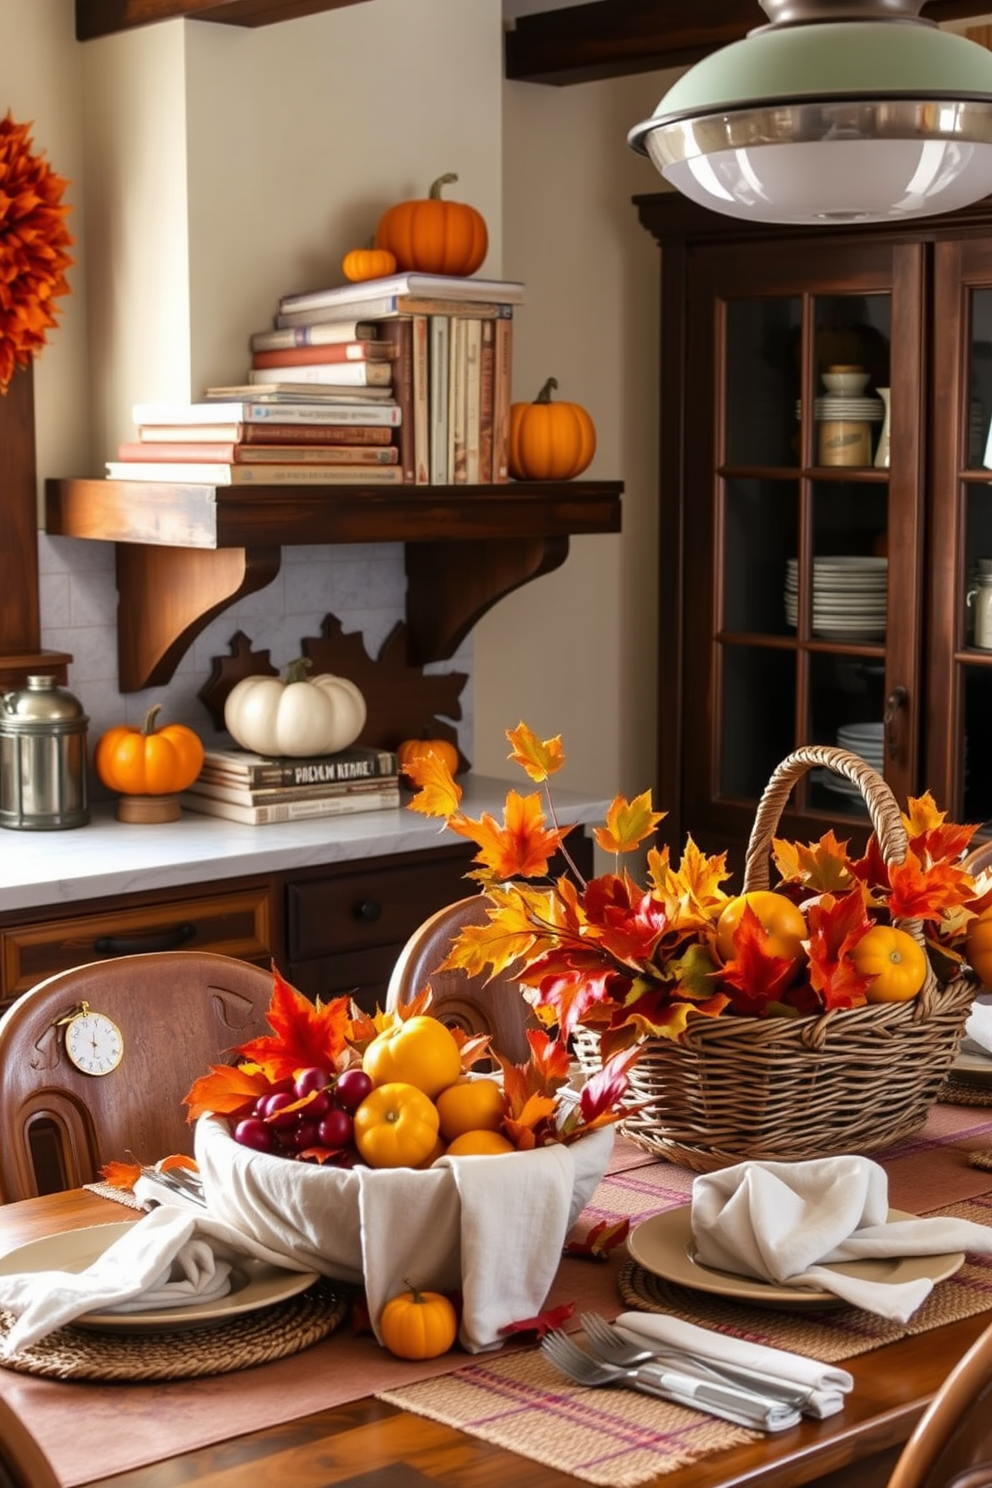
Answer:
(452, 372)
(256, 790)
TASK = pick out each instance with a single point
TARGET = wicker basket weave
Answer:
(846, 1081)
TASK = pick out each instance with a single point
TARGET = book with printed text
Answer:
(439, 353)
(384, 799)
(286, 393)
(335, 374)
(387, 306)
(339, 351)
(443, 286)
(502, 395)
(357, 762)
(255, 410)
(200, 473)
(400, 334)
(277, 795)
(267, 435)
(421, 403)
(317, 335)
(457, 365)
(473, 406)
(487, 363)
(204, 452)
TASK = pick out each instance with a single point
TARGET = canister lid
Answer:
(42, 701)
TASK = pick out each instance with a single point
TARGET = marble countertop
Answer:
(108, 857)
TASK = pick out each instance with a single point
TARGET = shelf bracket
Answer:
(167, 596)
(451, 585)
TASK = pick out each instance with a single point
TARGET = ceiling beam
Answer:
(614, 38)
(107, 17)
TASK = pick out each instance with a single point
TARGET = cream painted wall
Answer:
(575, 652)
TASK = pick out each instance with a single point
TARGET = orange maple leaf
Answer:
(121, 1175)
(823, 867)
(519, 848)
(439, 792)
(628, 823)
(225, 1090)
(920, 892)
(539, 757)
(306, 1033)
(601, 1240)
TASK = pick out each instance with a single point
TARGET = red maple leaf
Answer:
(836, 924)
(544, 1322)
(306, 1033)
(758, 977)
(601, 1240)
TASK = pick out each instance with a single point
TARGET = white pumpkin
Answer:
(299, 716)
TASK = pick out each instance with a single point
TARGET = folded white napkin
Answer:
(492, 1227)
(979, 1025)
(786, 1222)
(171, 1257)
(827, 1384)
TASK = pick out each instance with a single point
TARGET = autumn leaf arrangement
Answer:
(627, 962)
(33, 248)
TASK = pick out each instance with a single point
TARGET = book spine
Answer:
(260, 454)
(259, 816)
(255, 475)
(264, 436)
(322, 769)
(440, 326)
(251, 412)
(487, 359)
(421, 402)
(502, 394)
(456, 405)
(341, 351)
(320, 335)
(400, 334)
(332, 374)
(473, 355)
(391, 305)
(447, 286)
(278, 795)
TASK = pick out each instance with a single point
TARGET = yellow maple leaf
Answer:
(539, 757)
(439, 793)
(628, 823)
(824, 866)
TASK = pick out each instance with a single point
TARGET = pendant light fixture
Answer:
(838, 111)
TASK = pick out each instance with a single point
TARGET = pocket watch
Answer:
(93, 1042)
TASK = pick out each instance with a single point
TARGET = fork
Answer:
(730, 1402)
(181, 1181)
(616, 1347)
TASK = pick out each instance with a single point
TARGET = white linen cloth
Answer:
(827, 1384)
(492, 1226)
(171, 1257)
(786, 1222)
(979, 1025)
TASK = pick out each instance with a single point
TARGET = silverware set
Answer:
(613, 1358)
(181, 1181)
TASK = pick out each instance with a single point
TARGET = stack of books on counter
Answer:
(452, 372)
(255, 790)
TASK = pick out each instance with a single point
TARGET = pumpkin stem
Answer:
(544, 396)
(148, 722)
(435, 192)
(297, 670)
(416, 1295)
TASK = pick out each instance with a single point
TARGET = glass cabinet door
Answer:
(960, 533)
(803, 517)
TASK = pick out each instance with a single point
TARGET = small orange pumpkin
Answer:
(550, 441)
(417, 749)
(433, 236)
(418, 1325)
(149, 761)
(368, 263)
(979, 947)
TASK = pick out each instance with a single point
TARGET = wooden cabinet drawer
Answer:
(239, 923)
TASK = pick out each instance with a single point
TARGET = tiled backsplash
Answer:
(363, 585)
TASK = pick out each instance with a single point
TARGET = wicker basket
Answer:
(847, 1081)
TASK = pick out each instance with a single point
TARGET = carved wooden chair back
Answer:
(479, 1006)
(951, 1445)
(23, 1464)
(178, 1013)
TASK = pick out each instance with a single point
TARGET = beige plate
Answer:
(255, 1284)
(663, 1246)
(972, 1064)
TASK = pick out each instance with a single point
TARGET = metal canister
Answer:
(42, 758)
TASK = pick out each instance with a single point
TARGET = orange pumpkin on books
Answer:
(434, 236)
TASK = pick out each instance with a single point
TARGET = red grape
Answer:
(310, 1079)
(336, 1129)
(306, 1134)
(352, 1088)
(275, 1113)
(253, 1132)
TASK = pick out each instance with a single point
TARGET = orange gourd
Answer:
(368, 263)
(417, 749)
(433, 236)
(979, 948)
(149, 761)
(896, 961)
(550, 441)
(418, 1325)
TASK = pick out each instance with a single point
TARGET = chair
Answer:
(23, 1464)
(951, 1445)
(474, 1004)
(178, 1011)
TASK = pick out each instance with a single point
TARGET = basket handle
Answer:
(883, 810)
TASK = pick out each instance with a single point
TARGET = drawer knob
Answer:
(368, 910)
(165, 940)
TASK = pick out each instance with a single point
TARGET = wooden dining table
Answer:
(369, 1443)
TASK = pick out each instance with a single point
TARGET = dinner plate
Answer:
(254, 1284)
(972, 1064)
(663, 1245)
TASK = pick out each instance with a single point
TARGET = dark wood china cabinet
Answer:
(804, 600)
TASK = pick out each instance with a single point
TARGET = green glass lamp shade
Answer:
(814, 121)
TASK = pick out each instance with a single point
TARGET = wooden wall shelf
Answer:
(186, 553)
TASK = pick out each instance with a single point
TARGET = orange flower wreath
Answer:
(33, 243)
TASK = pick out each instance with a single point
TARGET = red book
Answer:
(212, 452)
(343, 351)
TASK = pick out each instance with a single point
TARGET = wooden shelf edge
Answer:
(186, 553)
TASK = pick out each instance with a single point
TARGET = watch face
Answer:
(94, 1043)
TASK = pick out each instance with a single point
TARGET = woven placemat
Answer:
(963, 1093)
(213, 1348)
